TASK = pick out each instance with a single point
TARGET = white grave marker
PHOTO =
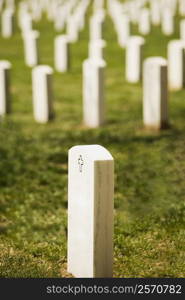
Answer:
(123, 29)
(5, 67)
(96, 26)
(62, 49)
(155, 12)
(72, 29)
(30, 39)
(96, 48)
(176, 64)
(7, 23)
(182, 29)
(42, 93)
(134, 57)
(182, 8)
(93, 92)
(155, 93)
(167, 22)
(144, 21)
(90, 211)
(25, 22)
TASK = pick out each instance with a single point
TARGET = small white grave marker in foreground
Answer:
(90, 211)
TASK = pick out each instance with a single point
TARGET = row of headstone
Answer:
(42, 92)
(175, 57)
(70, 13)
(122, 15)
(155, 107)
(61, 50)
(121, 21)
(145, 14)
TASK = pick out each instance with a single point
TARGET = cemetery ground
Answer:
(149, 215)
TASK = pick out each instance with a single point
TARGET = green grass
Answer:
(149, 212)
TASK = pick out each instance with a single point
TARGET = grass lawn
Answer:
(149, 238)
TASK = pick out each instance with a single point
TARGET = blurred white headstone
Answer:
(155, 93)
(62, 49)
(144, 21)
(167, 22)
(134, 57)
(176, 64)
(7, 23)
(96, 48)
(93, 92)
(30, 39)
(182, 29)
(42, 93)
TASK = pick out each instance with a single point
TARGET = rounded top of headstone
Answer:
(93, 152)
(31, 33)
(156, 60)
(62, 37)
(98, 42)
(100, 13)
(136, 39)
(8, 11)
(43, 69)
(95, 61)
(5, 64)
(176, 43)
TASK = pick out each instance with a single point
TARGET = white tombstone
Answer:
(98, 4)
(59, 22)
(1, 5)
(155, 12)
(93, 92)
(90, 212)
(167, 22)
(144, 21)
(176, 64)
(25, 22)
(182, 8)
(7, 23)
(30, 39)
(134, 11)
(72, 29)
(96, 27)
(134, 57)
(123, 29)
(155, 93)
(5, 104)
(182, 29)
(96, 48)
(10, 4)
(62, 57)
(42, 93)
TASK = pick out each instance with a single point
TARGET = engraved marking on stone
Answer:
(80, 163)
